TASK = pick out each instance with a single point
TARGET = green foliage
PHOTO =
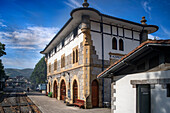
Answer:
(39, 75)
(18, 72)
(2, 49)
(2, 72)
(2, 52)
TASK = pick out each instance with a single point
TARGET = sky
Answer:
(27, 26)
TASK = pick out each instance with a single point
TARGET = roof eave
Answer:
(115, 67)
(121, 63)
(43, 52)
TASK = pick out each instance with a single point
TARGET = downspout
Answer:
(101, 27)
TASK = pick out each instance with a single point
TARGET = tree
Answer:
(2, 52)
(39, 75)
(2, 49)
(2, 72)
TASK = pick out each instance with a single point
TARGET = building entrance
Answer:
(62, 90)
(75, 91)
(95, 93)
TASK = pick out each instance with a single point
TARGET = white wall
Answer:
(95, 26)
(68, 49)
(129, 44)
(126, 94)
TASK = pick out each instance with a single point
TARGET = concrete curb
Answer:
(39, 107)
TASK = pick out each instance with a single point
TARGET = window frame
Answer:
(114, 43)
(121, 45)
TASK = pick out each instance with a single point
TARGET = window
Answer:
(121, 48)
(49, 68)
(75, 55)
(75, 32)
(168, 90)
(55, 65)
(62, 61)
(63, 42)
(154, 61)
(114, 43)
(86, 51)
(55, 49)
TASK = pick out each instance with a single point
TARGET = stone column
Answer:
(144, 33)
(144, 36)
(86, 59)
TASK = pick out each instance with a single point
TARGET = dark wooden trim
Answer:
(115, 35)
(123, 32)
(107, 33)
(114, 25)
(117, 31)
(132, 35)
(95, 31)
(111, 29)
(136, 39)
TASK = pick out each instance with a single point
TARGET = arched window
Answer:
(114, 43)
(76, 55)
(73, 57)
(121, 45)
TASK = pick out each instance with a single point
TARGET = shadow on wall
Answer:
(160, 103)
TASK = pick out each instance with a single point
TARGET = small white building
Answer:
(141, 79)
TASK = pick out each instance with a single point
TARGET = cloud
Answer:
(29, 38)
(153, 37)
(21, 47)
(73, 3)
(147, 7)
(19, 63)
(166, 31)
(2, 24)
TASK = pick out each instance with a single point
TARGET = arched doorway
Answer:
(62, 90)
(55, 90)
(95, 93)
(75, 91)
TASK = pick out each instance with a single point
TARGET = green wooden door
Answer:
(143, 99)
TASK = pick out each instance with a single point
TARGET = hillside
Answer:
(39, 75)
(18, 72)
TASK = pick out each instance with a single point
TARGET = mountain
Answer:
(39, 75)
(18, 72)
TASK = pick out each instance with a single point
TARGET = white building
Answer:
(141, 79)
(86, 45)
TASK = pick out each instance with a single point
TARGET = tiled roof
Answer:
(137, 48)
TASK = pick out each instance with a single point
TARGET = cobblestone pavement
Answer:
(51, 105)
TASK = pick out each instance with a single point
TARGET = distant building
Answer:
(141, 79)
(86, 45)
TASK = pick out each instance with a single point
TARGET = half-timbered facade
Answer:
(87, 44)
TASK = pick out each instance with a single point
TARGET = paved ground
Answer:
(51, 105)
